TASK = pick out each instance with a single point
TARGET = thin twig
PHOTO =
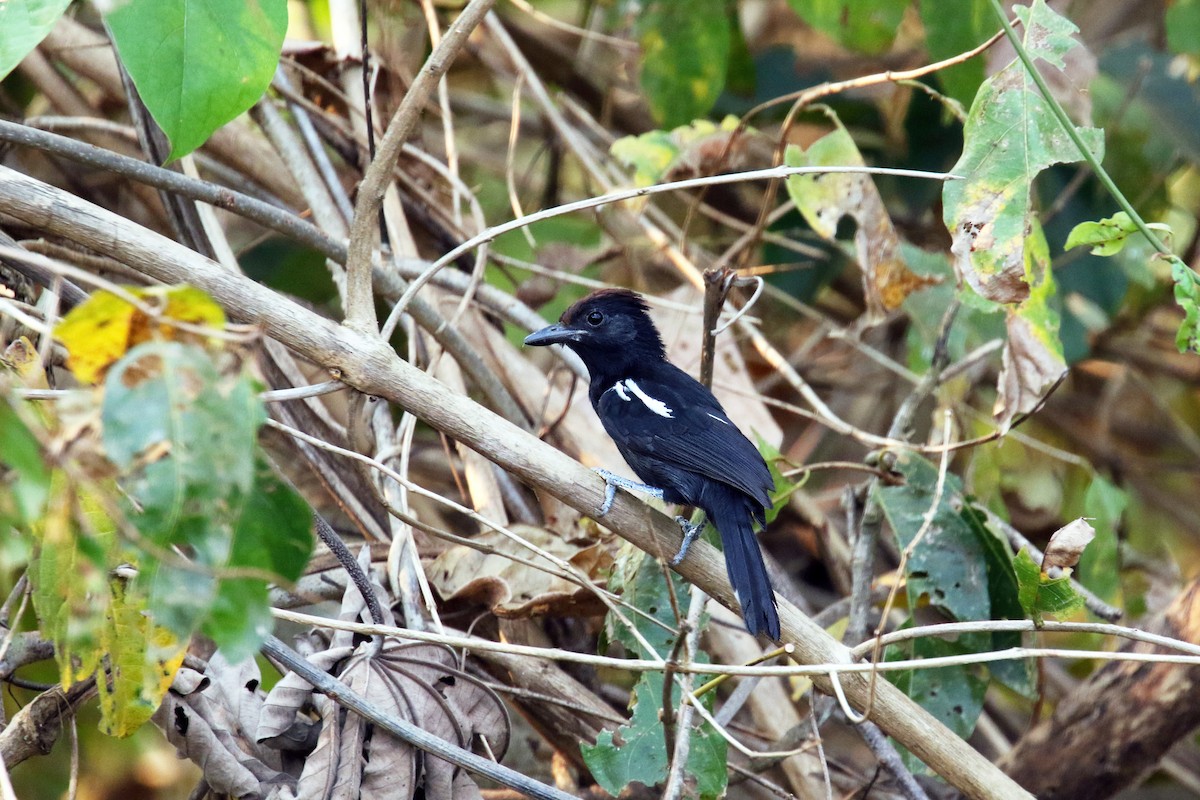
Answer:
(885, 752)
(360, 304)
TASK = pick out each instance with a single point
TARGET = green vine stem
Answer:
(1187, 289)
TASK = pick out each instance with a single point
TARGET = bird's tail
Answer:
(744, 563)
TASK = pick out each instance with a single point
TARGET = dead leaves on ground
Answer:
(294, 743)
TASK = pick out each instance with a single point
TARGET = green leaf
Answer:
(643, 584)
(963, 566)
(868, 26)
(1099, 568)
(784, 487)
(198, 64)
(95, 615)
(637, 751)
(952, 694)
(69, 590)
(1041, 595)
(1004, 594)
(24, 489)
(949, 565)
(1182, 23)
(273, 534)
(185, 438)
(953, 27)
(685, 57)
(1187, 297)
(25, 23)
(1109, 236)
(1010, 136)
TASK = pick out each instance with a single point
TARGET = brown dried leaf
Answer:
(1030, 369)
(1067, 545)
(293, 693)
(416, 682)
(205, 730)
(512, 589)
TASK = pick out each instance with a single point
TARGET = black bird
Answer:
(674, 434)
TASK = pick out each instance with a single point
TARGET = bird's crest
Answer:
(607, 300)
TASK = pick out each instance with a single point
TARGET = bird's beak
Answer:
(553, 334)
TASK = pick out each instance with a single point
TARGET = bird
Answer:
(674, 435)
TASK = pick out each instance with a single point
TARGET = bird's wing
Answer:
(673, 418)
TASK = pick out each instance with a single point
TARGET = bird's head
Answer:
(606, 328)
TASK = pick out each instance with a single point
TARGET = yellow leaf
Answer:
(97, 333)
(142, 658)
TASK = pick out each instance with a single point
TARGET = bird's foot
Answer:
(691, 532)
(612, 481)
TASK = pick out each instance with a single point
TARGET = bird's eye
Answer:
(595, 318)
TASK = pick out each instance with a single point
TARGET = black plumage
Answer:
(674, 435)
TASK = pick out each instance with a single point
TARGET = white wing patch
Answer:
(620, 391)
(721, 420)
(657, 406)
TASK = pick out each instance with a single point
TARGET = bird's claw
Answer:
(610, 493)
(612, 481)
(690, 533)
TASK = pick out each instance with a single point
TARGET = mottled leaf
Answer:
(825, 199)
(104, 328)
(1010, 136)
(1032, 363)
(142, 659)
(685, 55)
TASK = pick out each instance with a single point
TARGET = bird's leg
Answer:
(612, 481)
(691, 531)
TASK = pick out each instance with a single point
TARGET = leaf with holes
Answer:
(949, 564)
(637, 752)
(953, 694)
